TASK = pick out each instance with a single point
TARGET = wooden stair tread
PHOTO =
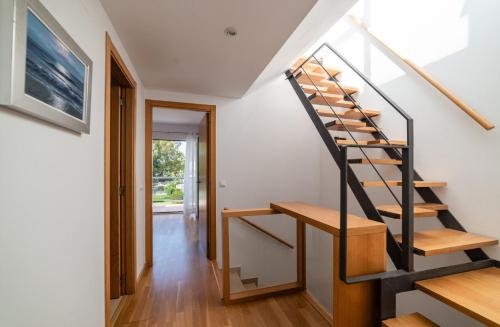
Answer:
(409, 320)
(395, 211)
(348, 122)
(365, 142)
(348, 114)
(330, 99)
(329, 87)
(353, 129)
(312, 67)
(328, 219)
(315, 77)
(332, 87)
(475, 293)
(445, 240)
(432, 206)
(364, 161)
(400, 183)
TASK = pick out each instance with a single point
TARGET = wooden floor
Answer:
(180, 289)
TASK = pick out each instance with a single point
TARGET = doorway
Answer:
(119, 182)
(203, 168)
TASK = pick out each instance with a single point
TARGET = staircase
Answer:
(343, 124)
(238, 284)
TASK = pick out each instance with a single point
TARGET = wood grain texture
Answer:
(330, 99)
(348, 114)
(318, 306)
(395, 211)
(114, 64)
(180, 290)
(365, 142)
(444, 240)
(203, 178)
(375, 161)
(475, 293)
(328, 220)
(353, 129)
(356, 305)
(432, 206)
(114, 195)
(400, 183)
(409, 320)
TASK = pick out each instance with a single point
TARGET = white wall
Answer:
(51, 198)
(455, 41)
(267, 150)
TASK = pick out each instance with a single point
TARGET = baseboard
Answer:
(218, 276)
(126, 298)
(123, 303)
(318, 307)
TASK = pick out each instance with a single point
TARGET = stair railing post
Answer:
(343, 214)
(407, 194)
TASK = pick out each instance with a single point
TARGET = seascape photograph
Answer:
(54, 75)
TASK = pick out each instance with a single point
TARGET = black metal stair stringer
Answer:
(393, 247)
(446, 218)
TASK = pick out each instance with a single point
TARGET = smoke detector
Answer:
(230, 32)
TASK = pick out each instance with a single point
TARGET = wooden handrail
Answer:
(462, 105)
(260, 229)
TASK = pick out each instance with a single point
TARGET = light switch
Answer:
(222, 183)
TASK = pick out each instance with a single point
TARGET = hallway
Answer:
(180, 289)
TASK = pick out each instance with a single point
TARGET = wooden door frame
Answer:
(211, 192)
(112, 56)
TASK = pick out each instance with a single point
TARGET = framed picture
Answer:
(43, 72)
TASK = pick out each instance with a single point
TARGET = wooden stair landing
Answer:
(326, 219)
(475, 293)
(445, 240)
(410, 320)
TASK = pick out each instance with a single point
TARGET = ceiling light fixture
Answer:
(230, 32)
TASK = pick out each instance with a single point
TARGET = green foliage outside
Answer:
(168, 170)
(168, 160)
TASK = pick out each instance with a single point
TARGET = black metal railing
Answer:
(405, 261)
(404, 277)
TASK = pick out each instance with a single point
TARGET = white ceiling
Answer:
(180, 45)
(177, 117)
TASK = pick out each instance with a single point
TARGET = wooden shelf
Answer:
(410, 320)
(326, 219)
(475, 293)
(444, 240)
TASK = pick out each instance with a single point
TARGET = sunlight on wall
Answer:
(422, 31)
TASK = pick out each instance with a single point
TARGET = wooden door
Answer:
(115, 201)
(203, 185)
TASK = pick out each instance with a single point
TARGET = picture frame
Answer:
(43, 71)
